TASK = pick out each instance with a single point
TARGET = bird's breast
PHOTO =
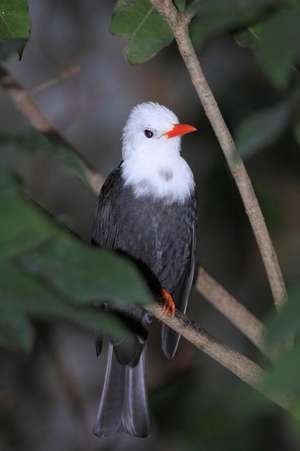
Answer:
(171, 181)
(156, 232)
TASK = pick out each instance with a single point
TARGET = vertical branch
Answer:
(179, 24)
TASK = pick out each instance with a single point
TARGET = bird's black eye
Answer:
(148, 133)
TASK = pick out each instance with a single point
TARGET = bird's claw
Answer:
(169, 307)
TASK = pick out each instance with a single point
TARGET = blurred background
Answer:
(77, 73)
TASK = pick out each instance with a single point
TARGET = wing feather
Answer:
(169, 338)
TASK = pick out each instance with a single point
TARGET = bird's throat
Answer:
(170, 180)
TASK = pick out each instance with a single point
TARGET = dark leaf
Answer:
(297, 132)
(262, 129)
(15, 329)
(276, 41)
(86, 274)
(146, 30)
(180, 5)
(7, 182)
(285, 323)
(283, 378)
(28, 144)
(216, 16)
(22, 227)
(22, 296)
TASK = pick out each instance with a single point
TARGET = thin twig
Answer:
(235, 312)
(240, 365)
(67, 73)
(179, 24)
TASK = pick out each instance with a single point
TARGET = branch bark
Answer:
(235, 312)
(179, 24)
(238, 364)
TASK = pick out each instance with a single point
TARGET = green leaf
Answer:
(22, 226)
(283, 378)
(29, 143)
(7, 182)
(14, 19)
(146, 30)
(296, 130)
(180, 5)
(86, 274)
(72, 164)
(286, 322)
(22, 296)
(279, 45)
(276, 41)
(15, 329)
(262, 129)
(216, 16)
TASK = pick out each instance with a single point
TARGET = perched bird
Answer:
(147, 210)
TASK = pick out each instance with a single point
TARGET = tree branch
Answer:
(238, 364)
(235, 312)
(179, 24)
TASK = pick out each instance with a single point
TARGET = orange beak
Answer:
(180, 130)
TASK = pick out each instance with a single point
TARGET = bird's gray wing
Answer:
(169, 338)
(105, 235)
(105, 228)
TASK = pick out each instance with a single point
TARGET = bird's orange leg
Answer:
(169, 304)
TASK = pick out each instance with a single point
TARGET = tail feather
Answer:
(123, 404)
(108, 417)
(135, 415)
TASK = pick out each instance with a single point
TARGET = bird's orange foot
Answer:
(169, 304)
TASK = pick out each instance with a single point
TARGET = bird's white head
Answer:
(149, 128)
(151, 153)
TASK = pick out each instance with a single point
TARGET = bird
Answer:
(146, 210)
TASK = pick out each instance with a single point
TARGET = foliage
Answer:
(14, 19)
(30, 144)
(146, 30)
(14, 27)
(282, 334)
(214, 17)
(47, 272)
(262, 129)
(276, 42)
(180, 5)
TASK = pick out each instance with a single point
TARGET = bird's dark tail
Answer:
(123, 404)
